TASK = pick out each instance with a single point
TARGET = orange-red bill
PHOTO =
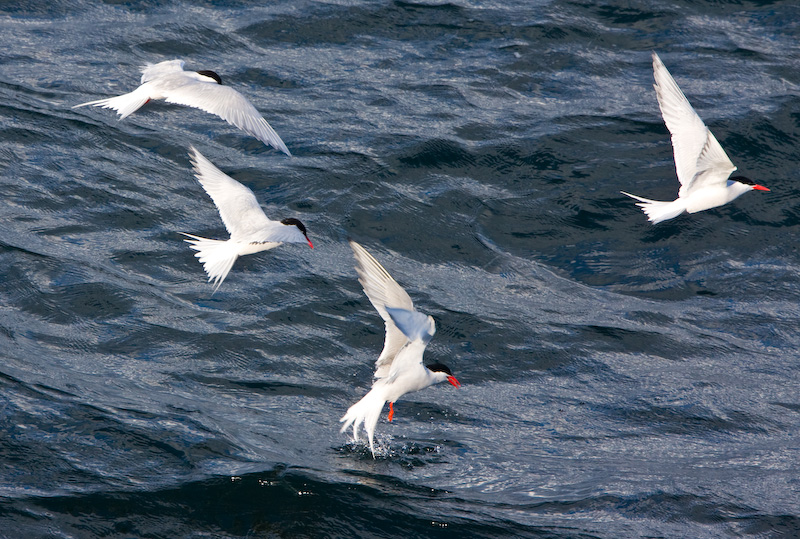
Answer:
(452, 380)
(391, 411)
(760, 188)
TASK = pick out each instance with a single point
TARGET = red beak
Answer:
(309, 242)
(760, 188)
(452, 380)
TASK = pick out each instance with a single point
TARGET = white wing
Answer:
(155, 71)
(419, 329)
(229, 105)
(406, 366)
(237, 204)
(699, 158)
(383, 292)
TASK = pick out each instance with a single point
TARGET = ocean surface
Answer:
(619, 379)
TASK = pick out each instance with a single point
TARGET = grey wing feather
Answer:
(413, 324)
(229, 105)
(382, 291)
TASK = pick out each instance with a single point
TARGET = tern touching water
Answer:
(251, 231)
(199, 89)
(701, 163)
(399, 369)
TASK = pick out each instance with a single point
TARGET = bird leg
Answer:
(391, 411)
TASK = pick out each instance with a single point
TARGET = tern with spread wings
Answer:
(250, 229)
(199, 89)
(701, 163)
(399, 368)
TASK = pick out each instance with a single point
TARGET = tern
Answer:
(701, 163)
(399, 368)
(199, 89)
(251, 231)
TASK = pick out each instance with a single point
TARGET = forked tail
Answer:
(216, 256)
(125, 104)
(658, 211)
(366, 411)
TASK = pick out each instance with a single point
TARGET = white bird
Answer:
(251, 231)
(199, 89)
(701, 163)
(399, 369)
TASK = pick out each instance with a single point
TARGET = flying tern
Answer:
(199, 89)
(701, 163)
(251, 231)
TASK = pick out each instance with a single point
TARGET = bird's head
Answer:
(442, 372)
(291, 221)
(211, 75)
(747, 181)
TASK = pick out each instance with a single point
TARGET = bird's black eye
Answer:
(291, 221)
(211, 75)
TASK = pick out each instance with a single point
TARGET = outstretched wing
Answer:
(699, 158)
(154, 71)
(383, 292)
(237, 204)
(229, 105)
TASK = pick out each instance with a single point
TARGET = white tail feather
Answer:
(216, 256)
(366, 411)
(125, 104)
(657, 210)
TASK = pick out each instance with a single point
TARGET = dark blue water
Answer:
(619, 379)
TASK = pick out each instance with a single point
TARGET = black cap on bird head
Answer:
(747, 181)
(439, 367)
(743, 179)
(210, 75)
(291, 221)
